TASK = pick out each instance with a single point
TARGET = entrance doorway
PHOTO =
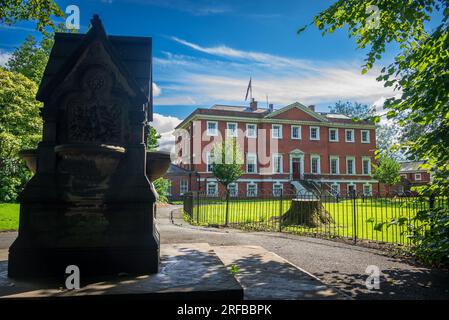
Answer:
(296, 168)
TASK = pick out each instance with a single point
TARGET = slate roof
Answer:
(176, 170)
(411, 166)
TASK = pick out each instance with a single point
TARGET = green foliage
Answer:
(418, 73)
(162, 185)
(354, 110)
(234, 269)
(20, 128)
(227, 167)
(152, 139)
(387, 171)
(30, 59)
(12, 11)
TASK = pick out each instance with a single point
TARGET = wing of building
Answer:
(294, 147)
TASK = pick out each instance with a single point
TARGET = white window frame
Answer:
(254, 156)
(353, 135)
(336, 134)
(277, 185)
(335, 184)
(181, 186)
(418, 175)
(208, 156)
(315, 156)
(367, 135)
(281, 167)
(255, 189)
(351, 184)
(317, 133)
(369, 165)
(255, 130)
(299, 132)
(338, 164)
(280, 131)
(228, 131)
(353, 165)
(208, 133)
(216, 188)
(370, 193)
(236, 185)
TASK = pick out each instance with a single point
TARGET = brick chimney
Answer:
(312, 107)
(253, 105)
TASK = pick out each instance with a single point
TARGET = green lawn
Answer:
(9, 216)
(264, 214)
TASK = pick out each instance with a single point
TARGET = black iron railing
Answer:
(378, 218)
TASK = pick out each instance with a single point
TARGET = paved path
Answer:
(339, 265)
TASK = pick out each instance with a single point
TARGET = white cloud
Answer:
(156, 90)
(223, 78)
(4, 57)
(165, 126)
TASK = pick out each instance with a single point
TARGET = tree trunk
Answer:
(307, 212)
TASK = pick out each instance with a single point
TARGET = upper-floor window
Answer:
(350, 165)
(251, 130)
(251, 163)
(334, 165)
(212, 128)
(366, 165)
(231, 129)
(333, 134)
(418, 176)
(365, 136)
(315, 164)
(296, 132)
(184, 187)
(210, 162)
(277, 163)
(314, 133)
(349, 135)
(276, 131)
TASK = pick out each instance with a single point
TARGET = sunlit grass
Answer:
(9, 216)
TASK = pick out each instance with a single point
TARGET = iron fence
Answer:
(351, 216)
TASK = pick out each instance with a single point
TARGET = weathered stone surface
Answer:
(188, 271)
(90, 202)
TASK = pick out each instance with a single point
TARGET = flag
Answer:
(250, 88)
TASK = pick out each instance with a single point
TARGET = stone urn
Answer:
(30, 158)
(157, 164)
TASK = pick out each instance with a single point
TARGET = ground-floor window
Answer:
(233, 189)
(184, 187)
(351, 188)
(367, 189)
(335, 188)
(277, 189)
(212, 189)
(251, 189)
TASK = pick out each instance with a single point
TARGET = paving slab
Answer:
(188, 271)
(265, 275)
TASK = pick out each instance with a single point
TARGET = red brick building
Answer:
(293, 146)
(412, 175)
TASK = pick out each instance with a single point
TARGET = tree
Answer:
(354, 110)
(31, 58)
(152, 139)
(227, 166)
(12, 11)
(419, 74)
(387, 171)
(20, 128)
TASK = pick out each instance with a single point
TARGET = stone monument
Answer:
(90, 202)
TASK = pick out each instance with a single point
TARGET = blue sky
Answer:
(205, 51)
